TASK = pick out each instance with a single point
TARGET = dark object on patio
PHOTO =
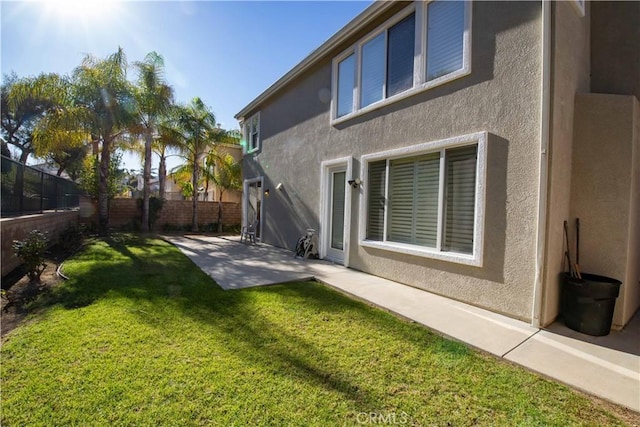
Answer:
(248, 232)
(307, 246)
(588, 303)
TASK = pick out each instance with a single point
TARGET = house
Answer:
(443, 145)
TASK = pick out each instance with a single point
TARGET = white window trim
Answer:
(476, 257)
(420, 84)
(247, 136)
(325, 186)
(334, 81)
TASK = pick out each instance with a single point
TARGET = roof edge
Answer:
(339, 37)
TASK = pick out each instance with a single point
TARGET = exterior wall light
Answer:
(355, 183)
(266, 193)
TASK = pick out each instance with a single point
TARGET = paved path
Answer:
(608, 367)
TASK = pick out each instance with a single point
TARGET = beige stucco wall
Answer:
(632, 291)
(501, 96)
(570, 75)
(615, 47)
(604, 193)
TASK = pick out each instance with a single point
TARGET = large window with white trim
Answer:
(427, 199)
(424, 45)
(252, 133)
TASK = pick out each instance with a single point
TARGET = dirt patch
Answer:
(18, 292)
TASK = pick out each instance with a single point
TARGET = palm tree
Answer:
(168, 139)
(154, 98)
(102, 91)
(227, 176)
(197, 125)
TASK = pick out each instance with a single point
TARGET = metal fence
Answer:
(26, 190)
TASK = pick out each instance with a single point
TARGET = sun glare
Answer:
(80, 10)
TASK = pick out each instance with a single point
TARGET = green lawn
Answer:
(140, 336)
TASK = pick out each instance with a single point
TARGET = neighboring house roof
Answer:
(360, 21)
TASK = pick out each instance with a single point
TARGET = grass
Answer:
(140, 336)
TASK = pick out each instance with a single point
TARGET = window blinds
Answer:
(373, 67)
(445, 37)
(413, 206)
(460, 199)
(346, 82)
(400, 56)
(375, 210)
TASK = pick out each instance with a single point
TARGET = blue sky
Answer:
(226, 52)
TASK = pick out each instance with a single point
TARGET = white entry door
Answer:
(336, 218)
(252, 204)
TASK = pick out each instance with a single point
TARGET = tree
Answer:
(70, 159)
(196, 126)
(94, 106)
(24, 103)
(169, 139)
(154, 98)
(227, 176)
(103, 107)
(117, 180)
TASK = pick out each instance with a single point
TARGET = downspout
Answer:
(545, 118)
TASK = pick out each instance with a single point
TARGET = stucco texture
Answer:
(604, 193)
(570, 75)
(501, 96)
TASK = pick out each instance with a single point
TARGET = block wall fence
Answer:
(17, 229)
(123, 212)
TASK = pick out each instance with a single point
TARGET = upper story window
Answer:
(424, 45)
(252, 133)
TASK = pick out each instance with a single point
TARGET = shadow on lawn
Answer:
(154, 272)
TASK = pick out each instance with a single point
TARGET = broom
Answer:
(567, 253)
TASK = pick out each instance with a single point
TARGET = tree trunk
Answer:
(146, 190)
(103, 189)
(194, 181)
(162, 176)
(220, 211)
(95, 145)
(24, 156)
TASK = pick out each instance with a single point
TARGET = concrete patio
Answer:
(608, 367)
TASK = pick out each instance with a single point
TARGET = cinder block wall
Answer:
(18, 228)
(123, 212)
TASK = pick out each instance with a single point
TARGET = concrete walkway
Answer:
(608, 367)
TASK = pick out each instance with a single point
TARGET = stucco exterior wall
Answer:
(501, 96)
(615, 47)
(632, 292)
(604, 193)
(570, 75)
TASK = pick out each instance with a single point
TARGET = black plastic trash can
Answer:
(588, 303)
